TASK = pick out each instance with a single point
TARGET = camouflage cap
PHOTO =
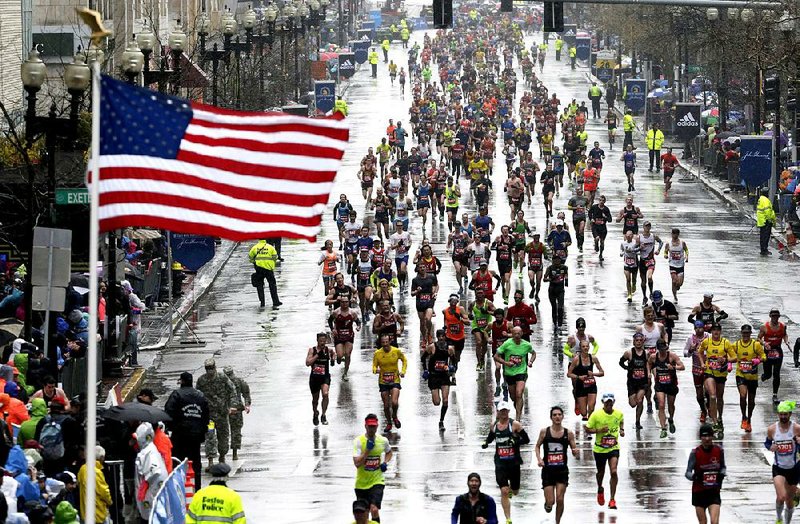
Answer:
(210, 363)
(228, 370)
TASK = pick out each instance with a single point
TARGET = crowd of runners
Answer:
(482, 125)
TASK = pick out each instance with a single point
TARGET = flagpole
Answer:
(94, 227)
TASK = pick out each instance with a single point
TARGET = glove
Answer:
(484, 445)
(384, 467)
(730, 367)
(756, 361)
(370, 444)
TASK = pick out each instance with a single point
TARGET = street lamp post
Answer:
(177, 43)
(132, 62)
(76, 78)
(147, 42)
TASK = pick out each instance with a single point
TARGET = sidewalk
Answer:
(158, 324)
(717, 186)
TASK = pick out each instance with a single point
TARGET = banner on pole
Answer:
(570, 30)
(583, 47)
(360, 50)
(687, 120)
(347, 65)
(755, 162)
(635, 92)
(324, 95)
(169, 506)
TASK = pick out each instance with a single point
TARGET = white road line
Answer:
(306, 467)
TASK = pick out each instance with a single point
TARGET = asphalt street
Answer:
(291, 472)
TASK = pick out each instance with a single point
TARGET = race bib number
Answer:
(710, 479)
(746, 366)
(440, 365)
(505, 255)
(481, 322)
(505, 452)
(608, 441)
(697, 370)
(715, 364)
(556, 458)
(773, 354)
(388, 378)
(515, 360)
(318, 369)
(455, 329)
(588, 381)
(638, 374)
(425, 297)
(675, 255)
(372, 464)
(630, 261)
(664, 378)
(784, 447)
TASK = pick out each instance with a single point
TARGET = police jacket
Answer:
(188, 408)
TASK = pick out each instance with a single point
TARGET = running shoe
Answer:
(577, 411)
(748, 427)
(601, 497)
(644, 301)
(703, 416)
(497, 391)
(630, 298)
(612, 504)
(324, 420)
(532, 294)
(663, 432)
(671, 426)
(397, 422)
(344, 378)
(316, 419)
(649, 408)
(743, 424)
(638, 427)
(547, 508)
(388, 428)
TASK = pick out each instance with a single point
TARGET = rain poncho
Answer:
(150, 470)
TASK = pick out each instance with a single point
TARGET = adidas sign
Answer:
(687, 120)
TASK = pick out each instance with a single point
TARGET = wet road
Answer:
(290, 471)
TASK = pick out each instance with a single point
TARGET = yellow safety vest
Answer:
(340, 106)
(216, 504)
(559, 44)
(764, 211)
(385, 44)
(373, 57)
(573, 52)
(263, 255)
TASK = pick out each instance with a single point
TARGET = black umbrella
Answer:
(136, 411)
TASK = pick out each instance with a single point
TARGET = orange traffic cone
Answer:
(790, 236)
(189, 484)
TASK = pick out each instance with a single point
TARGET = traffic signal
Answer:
(442, 14)
(506, 6)
(772, 93)
(791, 94)
(553, 17)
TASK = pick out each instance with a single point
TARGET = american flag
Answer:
(187, 167)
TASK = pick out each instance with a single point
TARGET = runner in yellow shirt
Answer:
(717, 357)
(384, 364)
(371, 453)
(749, 354)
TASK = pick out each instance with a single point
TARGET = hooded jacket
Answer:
(27, 430)
(17, 464)
(151, 471)
(102, 492)
(66, 514)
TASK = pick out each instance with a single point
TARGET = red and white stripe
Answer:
(237, 175)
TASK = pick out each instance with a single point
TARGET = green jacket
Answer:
(764, 211)
(263, 255)
(27, 431)
(655, 139)
(373, 58)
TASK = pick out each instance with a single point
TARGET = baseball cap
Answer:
(747, 328)
(147, 392)
(699, 324)
(647, 223)
(660, 344)
(706, 430)
(559, 223)
(638, 335)
(371, 419)
(360, 505)
(608, 396)
(483, 262)
(708, 294)
(504, 404)
(716, 326)
(657, 295)
(774, 311)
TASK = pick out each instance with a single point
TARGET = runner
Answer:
(384, 154)
(513, 356)
(634, 361)
(515, 188)
(452, 194)
(782, 439)
(665, 311)
(692, 349)
(708, 312)
(631, 214)
(482, 279)
(611, 120)
(773, 336)
(400, 243)
(340, 291)
(558, 276)
(363, 270)
(521, 315)
(384, 364)
(382, 205)
(599, 216)
(647, 257)
(455, 318)
(341, 213)
(424, 288)
(629, 251)
(717, 357)
(536, 251)
(352, 231)
(653, 332)
(459, 241)
(706, 469)
(677, 252)
(519, 230)
(628, 159)
(607, 425)
(578, 204)
(554, 441)
(508, 435)
(572, 345)
(749, 354)
(438, 366)
(341, 322)
(669, 163)
(320, 358)
(481, 311)
(422, 192)
(387, 322)
(581, 371)
(328, 260)
(366, 175)
(559, 240)
(548, 181)
(662, 366)
(501, 331)
(504, 245)
(371, 454)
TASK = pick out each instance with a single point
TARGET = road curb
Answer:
(132, 385)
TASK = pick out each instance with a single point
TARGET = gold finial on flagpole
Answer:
(93, 19)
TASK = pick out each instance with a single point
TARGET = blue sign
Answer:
(377, 18)
(192, 251)
(604, 74)
(324, 95)
(583, 46)
(347, 65)
(635, 93)
(169, 506)
(360, 50)
(570, 30)
(755, 162)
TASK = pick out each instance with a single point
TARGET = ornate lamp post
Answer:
(132, 62)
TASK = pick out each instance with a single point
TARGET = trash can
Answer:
(734, 178)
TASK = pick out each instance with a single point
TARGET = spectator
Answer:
(50, 392)
(27, 430)
(151, 471)
(188, 408)
(12, 301)
(17, 412)
(160, 437)
(134, 321)
(66, 514)
(70, 493)
(102, 491)
(78, 328)
(23, 471)
(60, 436)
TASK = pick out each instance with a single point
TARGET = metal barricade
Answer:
(116, 484)
(734, 178)
(75, 371)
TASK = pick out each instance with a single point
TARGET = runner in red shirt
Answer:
(669, 162)
(521, 315)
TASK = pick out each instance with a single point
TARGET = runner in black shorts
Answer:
(504, 245)
(319, 358)
(424, 287)
(706, 469)
(664, 365)
(599, 216)
(554, 441)
(438, 368)
(635, 362)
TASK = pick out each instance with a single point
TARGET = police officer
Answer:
(385, 47)
(188, 408)
(559, 44)
(216, 503)
(242, 406)
(373, 60)
(595, 94)
(221, 396)
(573, 55)
(404, 35)
(765, 219)
(263, 257)
(655, 139)
(340, 106)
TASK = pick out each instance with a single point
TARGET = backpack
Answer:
(52, 439)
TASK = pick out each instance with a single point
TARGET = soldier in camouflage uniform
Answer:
(221, 395)
(242, 406)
